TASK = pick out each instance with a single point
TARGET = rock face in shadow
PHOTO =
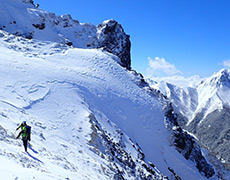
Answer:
(186, 144)
(115, 152)
(113, 39)
(214, 132)
(28, 2)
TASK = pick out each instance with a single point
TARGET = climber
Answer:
(25, 132)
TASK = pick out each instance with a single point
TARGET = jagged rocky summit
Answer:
(42, 25)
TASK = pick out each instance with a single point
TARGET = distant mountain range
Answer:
(203, 110)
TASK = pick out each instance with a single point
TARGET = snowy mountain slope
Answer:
(211, 119)
(27, 84)
(184, 99)
(89, 119)
(208, 118)
(23, 18)
(215, 89)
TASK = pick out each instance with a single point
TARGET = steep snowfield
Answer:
(62, 93)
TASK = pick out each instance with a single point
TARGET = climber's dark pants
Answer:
(25, 144)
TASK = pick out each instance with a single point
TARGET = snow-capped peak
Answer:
(217, 86)
(220, 79)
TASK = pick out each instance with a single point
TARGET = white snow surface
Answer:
(55, 89)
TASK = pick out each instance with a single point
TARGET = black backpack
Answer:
(28, 131)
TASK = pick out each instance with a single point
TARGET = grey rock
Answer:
(214, 132)
(113, 39)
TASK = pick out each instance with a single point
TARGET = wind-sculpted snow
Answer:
(32, 48)
(89, 118)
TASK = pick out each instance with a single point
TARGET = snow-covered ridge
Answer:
(60, 96)
(218, 85)
(23, 18)
(88, 116)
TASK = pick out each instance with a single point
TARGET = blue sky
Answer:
(169, 37)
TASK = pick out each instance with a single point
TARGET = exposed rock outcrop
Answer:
(28, 1)
(186, 144)
(115, 152)
(214, 133)
(113, 39)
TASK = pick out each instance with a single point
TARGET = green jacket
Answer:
(25, 134)
(21, 125)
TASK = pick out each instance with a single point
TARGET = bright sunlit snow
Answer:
(56, 94)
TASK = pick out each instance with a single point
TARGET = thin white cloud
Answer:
(180, 81)
(226, 63)
(160, 67)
